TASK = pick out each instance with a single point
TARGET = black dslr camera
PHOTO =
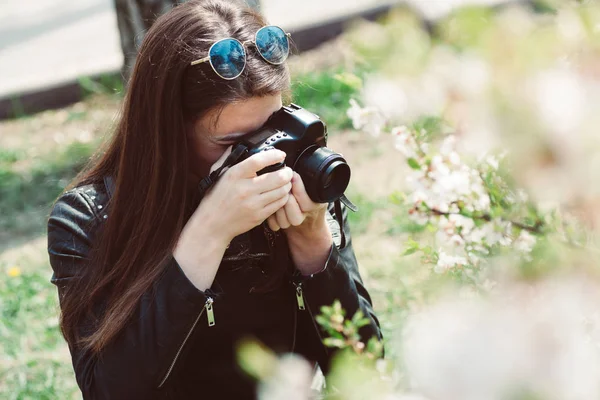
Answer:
(303, 137)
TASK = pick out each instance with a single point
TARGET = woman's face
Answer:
(209, 141)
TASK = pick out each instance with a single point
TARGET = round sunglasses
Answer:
(227, 57)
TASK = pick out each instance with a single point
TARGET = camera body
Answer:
(303, 137)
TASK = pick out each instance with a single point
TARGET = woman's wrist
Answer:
(310, 245)
(199, 251)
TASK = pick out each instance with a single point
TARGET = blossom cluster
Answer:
(521, 340)
(447, 193)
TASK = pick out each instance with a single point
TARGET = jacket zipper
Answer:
(210, 314)
(300, 297)
(303, 305)
(208, 306)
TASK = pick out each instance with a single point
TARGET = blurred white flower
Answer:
(368, 119)
(446, 262)
(491, 233)
(561, 101)
(405, 142)
(570, 26)
(523, 338)
(493, 162)
(85, 136)
(525, 242)
(387, 96)
(457, 240)
(465, 75)
(407, 98)
(291, 380)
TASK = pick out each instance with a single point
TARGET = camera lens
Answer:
(328, 181)
(325, 174)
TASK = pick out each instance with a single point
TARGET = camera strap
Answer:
(207, 182)
(339, 216)
(348, 203)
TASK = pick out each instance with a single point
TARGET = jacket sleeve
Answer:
(141, 358)
(341, 280)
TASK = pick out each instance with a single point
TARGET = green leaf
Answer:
(414, 164)
(256, 359)
(337, 335)
(362, 322)
(332, 342)
(357, 316)
(410, 251)
(412, 247)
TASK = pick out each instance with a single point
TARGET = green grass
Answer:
(359, 221)
(327, 94)
(107, 84)
(10, 156)
(40, 184)
(34, 360)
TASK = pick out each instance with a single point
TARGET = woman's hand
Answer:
(299, 213)
(305, 225)
(241, 200)
(238, 202)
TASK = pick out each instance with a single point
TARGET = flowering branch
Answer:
(537, 228)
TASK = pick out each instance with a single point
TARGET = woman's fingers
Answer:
(281, 218)
(290, 214)
(293, 213)
(272, 222)
(275, 194)
(271, 208)
(299, 191)
(273, 180)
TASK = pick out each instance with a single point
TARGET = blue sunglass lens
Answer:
(272, 44)
(228, 58)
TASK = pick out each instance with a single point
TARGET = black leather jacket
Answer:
(168, 347)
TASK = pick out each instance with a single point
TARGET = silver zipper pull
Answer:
(300, 297)
(209, 311)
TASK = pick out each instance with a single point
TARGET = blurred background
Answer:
(471, 127)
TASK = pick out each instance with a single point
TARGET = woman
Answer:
(157, 285)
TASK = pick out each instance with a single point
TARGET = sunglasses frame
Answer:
(243, 44)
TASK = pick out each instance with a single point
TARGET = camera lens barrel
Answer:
(325, 173)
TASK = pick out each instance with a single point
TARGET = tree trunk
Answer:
(134, 18)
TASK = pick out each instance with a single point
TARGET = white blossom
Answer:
(525, 242)
(542, 338)
(561, 100)
(387, 96)
(492, 162)
(368, 119)
(405, 142)
(446, 262)
(291, 380)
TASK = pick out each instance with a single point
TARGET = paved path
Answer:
(44, 43)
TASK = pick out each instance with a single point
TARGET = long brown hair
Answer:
(148, 157)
